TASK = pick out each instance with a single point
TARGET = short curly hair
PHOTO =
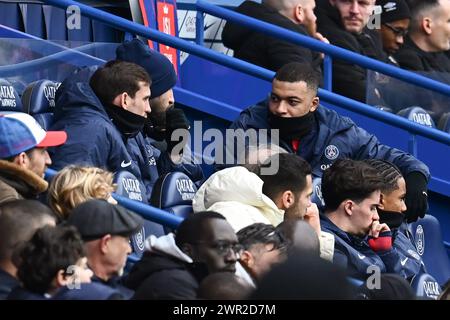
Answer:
(50, 250)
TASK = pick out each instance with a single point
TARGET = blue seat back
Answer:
(130, 187)
(173, 192)
(11, 16)
(425, 286)
(38, 100)
(9, 98)
(428, 240)
(33, 19)
(55, 22)
(418, 115)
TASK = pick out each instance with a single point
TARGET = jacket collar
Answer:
(25, 181)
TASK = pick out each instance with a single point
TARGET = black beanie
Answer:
(159, 68)
(393, 10)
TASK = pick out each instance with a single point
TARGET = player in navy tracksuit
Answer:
(363, 245)
(392, 206)
(105, 135)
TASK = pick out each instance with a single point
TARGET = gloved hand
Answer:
(176, 119)
(416, 196)
(382, 243)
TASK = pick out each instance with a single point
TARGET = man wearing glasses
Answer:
(395, 18)
(173, 265)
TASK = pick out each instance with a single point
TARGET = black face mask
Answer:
(128, 123)
(292, 128)
(391, 218)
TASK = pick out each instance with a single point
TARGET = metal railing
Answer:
(248, 68)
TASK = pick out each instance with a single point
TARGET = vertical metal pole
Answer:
(412, 144)
(328, 73)
(199, 25)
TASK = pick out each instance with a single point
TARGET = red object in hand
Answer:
(382, 243)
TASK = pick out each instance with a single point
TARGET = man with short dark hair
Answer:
(344, 24)
(429, 37)
(19, 219)
(23, 156)
(106, 230)
(162, 121)
(320, 136)
(173, 266)
(101, 111)
(351, 190)
(264, 246)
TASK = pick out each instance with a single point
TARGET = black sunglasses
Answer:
(398, 32)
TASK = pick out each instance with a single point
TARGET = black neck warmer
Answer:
(292, 128)
(392, 218)
(128, 123)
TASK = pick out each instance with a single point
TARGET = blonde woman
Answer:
(76, 184)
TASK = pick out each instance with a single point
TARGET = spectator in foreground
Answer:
(53, 258)
(24, 156)
(173, 265)
(19, 219)
(264, 247)
(76, 184)
(105, 229)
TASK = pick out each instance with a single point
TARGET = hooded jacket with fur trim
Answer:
(19, 183)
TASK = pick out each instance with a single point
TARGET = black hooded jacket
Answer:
(160, 276)
(411, 57)
(348, 79)
(261, 49)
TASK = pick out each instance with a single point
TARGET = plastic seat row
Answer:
(37, 99)
(421, 116)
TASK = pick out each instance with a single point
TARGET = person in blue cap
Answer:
(24, 156)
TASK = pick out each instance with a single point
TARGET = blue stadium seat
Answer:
(38, 100)
(33, 19)
(425, 286)
(11, 16)
(444, 123)
(19, 85)
(55, 23)
(418, 115)
(429, 244)
(129, 186)
(174, 192)
(9, 98)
